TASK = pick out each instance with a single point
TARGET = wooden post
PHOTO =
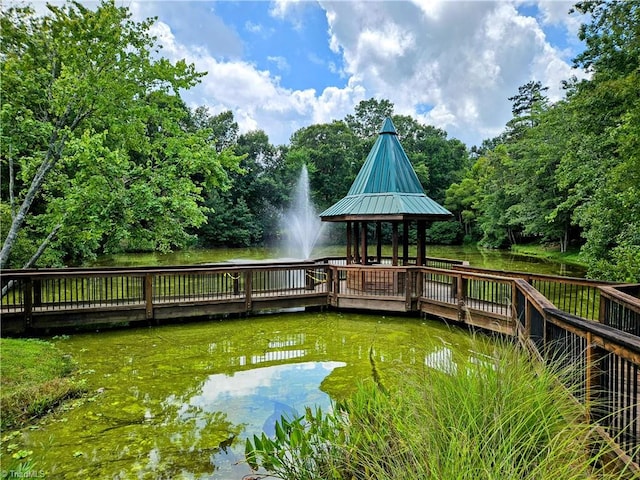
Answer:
(336, 283)
(461, 288)
(236, 284)
(419, 283)
(148, 295)
(514, 305)
(420, 254)
(248, 280)
(405, 242)
(28, 303)
(310, 282)
(604, 306)
(394, 240)
(527, 318)
(349, 241)
(379, 239)
(356, 243)
(408, 284)
(363, 240)
(589, 377)
(37, 292)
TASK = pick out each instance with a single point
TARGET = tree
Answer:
(224, 129)
(461, 200)
(600, 169)
(368, 118)
(527, 105)
(329, 152)
(93, 128)
(612, 38)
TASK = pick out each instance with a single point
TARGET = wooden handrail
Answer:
(629, 301)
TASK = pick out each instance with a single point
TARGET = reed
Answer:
(505, 417)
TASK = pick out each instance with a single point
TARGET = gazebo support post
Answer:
(356, 244)
(349, 242)
(422, 228)
(363, 240)
(394, 241)
(379, 240)
(405, 242)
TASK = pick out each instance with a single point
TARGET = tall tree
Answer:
(600, 168)
(84, 92)
(527, 106)
(368, 117)
(329, 151)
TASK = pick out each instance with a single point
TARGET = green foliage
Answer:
(569, 172)
(328, 150)
(230, 223)
(367, 119)
(445, 233)
(97, 137)
(499, 416)
(303, 447)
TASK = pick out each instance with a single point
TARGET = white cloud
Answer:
(462, 59)
(195, 23)
(280, 63)
(255, 96)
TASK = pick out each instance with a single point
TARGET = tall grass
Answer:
(504, 417)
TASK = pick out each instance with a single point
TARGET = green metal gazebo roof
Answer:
(386, 187)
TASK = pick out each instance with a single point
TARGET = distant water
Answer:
(482, 258)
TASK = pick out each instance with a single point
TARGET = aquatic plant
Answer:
(500, 417)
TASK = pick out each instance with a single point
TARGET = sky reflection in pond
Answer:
(177, 401)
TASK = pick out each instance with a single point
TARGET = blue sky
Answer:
(282, 65)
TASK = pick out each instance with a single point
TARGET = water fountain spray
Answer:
(301, 223)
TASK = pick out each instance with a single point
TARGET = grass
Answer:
(34, 378)
(500, 418)
(551, 252)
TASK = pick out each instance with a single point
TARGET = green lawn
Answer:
(551, 252)
(34, 377)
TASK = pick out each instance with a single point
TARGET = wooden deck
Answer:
(50, 299)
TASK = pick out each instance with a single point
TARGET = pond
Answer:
(178, 401)
(477, 257)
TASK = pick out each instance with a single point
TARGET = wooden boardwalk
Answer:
(50, 299)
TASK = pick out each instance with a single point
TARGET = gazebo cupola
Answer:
(386, 189)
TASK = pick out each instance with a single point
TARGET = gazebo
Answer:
(386, 189)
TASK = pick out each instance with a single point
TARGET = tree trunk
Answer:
(35, 257)
(50, 159)
(564, 242)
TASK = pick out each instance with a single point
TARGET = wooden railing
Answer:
(620, 308)
(73, 297)
(600, 365)
(578, 296)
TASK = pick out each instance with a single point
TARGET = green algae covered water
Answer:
(477, 257)
(178, 401)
